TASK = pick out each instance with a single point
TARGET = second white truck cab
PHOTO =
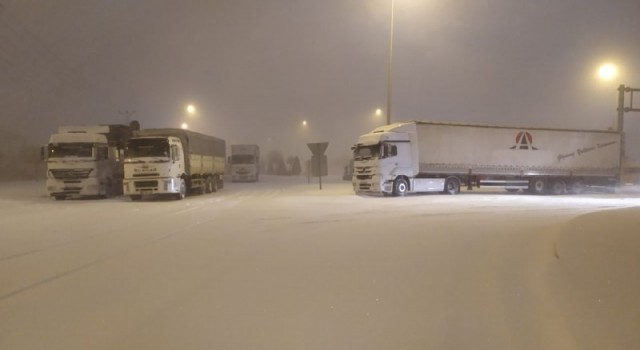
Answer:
(173, 162)
(245, 163)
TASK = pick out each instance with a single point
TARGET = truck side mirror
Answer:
(43, 153)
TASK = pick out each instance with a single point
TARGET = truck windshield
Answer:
(137, 148)
(366, 152)
(61, 150)
(242, 159)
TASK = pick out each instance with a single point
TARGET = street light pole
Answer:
(390, 65)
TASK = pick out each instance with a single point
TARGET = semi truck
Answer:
(245, 163)
(173, 162)
(417, 156)
(85, 161)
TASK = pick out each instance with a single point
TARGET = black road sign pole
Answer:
(318, 159)
(319, 171)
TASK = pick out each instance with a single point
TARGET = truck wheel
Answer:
(214, 184)
(452, 185)
(537, 186)
(207, 185)
(183, 190)
(557, 187)
(203, 187)
(400, 187)
(108, 189)
(576, 187)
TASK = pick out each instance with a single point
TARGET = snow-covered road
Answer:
(282, 265)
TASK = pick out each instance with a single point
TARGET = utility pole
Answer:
(622, 108)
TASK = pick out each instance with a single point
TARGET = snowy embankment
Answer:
(596, 276)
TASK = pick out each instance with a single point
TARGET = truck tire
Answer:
(400, 187)
(202, 189)
(183, 190)
(558, 187)
(537, 186)
(576, 187)
(108, 189)
(452, 185)
(207, 185)
(214, 184)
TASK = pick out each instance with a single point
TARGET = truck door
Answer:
(399, 155)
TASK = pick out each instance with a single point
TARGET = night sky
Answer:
(255, 69)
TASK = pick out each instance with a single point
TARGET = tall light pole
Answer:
(390, 65)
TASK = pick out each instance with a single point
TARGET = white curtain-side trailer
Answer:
(441, 157)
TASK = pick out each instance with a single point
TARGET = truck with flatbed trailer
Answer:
(173, 162)
(413, 157)
(86, 161)
(245, 163)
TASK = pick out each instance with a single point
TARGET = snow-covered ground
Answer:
(282, 265)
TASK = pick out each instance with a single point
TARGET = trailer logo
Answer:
(524, 140)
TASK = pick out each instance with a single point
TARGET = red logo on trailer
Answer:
(524, 140)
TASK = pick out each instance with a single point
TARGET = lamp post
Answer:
(390, 65)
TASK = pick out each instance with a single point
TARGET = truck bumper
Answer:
(138, 187)
(74, 188)
(243, 177)
(373, 185)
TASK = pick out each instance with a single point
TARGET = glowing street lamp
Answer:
(184, 126)
(191, 109)
(378, 112)
(608, 71)
(304, 123)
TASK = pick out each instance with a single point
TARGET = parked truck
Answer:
(85, 161)
(412, 157)
(173, 162)
(245, 163)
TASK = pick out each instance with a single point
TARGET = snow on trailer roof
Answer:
(400, 126)
(116, 134)
(194, 141)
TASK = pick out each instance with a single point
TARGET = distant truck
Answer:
(85, 161)
(412, 157)
(173, 162)
(245, 163)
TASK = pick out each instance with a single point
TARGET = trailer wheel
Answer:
(214, 184)
(537, 186)
(207, 185)
(108, 189)
(400, 187)
(452, 185)
(576, 187)
(557, 187)
(183, 190)
(202, 189)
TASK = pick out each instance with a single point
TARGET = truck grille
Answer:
(363, 172)
(147, 184)
(70, 174)
(146, 175)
